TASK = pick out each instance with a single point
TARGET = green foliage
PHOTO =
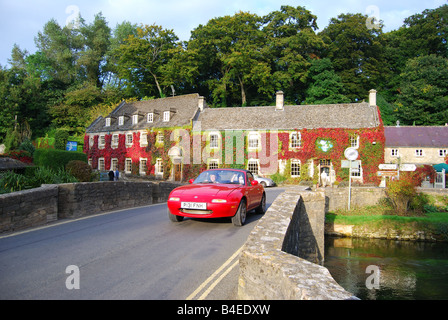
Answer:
(61, 136)
(11, 181)
(56, 159)
(80, 170)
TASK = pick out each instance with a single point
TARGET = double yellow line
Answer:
(219, 273)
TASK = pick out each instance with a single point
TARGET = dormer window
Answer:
(107, 122)
(120, 120)
(166, 116)
(150, 117)
(135, 119)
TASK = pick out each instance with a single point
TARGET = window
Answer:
(419, 152)
(129, 139)
(295, 168)
(159, 167)
(356, 172)
(128, 165)
(354, 141)
(120, 120)
(295, 140)
(443, 153)
(150, 117)
(107, 122)
(143, 167)
(114, 140)
(253, 140)
(101, 166)
(214, 140)
(91, 141)
(89, 161)
(143, 138)
(166, 116)
(394, 153)
(114, 164)
(252, 166)
(102, 141)
(134, 118)
(160, 137)
(213, 164)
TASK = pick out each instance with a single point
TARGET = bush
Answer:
(56, 159)
(60, 138)
(80, 170)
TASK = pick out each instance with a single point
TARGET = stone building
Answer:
(175, 138)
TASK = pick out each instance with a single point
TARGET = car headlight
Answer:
(174, 199)
(219, 201)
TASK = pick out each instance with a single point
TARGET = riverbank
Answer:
(379, 222)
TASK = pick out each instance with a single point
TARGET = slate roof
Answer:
(182, 111)
(403, 136)
(350, 116)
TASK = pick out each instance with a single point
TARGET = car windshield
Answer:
(221, 176)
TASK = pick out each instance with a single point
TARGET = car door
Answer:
(253, 192)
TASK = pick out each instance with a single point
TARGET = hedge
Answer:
(56, 159)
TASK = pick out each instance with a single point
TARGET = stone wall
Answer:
(337, 198)
(28, 208)
(275, 263)
(39, 206)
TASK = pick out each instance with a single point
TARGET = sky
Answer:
(21, 20)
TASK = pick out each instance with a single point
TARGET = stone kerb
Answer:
(267, 272)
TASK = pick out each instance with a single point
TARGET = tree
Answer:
(424, 91)
(326, 86)
(356, 53)
(141, 58)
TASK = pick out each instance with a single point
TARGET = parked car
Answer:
(218, 193)
(265, 182)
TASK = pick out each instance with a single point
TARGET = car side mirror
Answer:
(191, 181)
(254, 182)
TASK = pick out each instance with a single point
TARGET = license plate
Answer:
(194, 205)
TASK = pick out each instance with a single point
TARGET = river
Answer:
(399, 270)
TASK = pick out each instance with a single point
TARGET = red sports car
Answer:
(218, 193)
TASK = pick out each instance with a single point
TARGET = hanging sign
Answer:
(324, 145)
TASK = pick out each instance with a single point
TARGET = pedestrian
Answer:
(117, 174)
(111, 175)
(324, 178)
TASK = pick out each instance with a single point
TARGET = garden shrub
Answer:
(56, 159)
(80, 170)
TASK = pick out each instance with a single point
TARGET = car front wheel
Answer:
(240, 217)
(174, 218)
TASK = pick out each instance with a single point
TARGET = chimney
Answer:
(279, 101)
(201, 103)
(372, 97)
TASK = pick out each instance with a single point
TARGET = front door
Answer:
(178, 172)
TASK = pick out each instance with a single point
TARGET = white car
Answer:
(265, 182)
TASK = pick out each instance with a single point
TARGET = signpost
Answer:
(350, 154)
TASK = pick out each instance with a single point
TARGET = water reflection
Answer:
(408, 270)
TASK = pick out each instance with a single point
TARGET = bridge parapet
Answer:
(282, 257)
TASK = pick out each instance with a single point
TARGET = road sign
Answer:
(346, 164)
(351, 153)
(387, 173)
(71, 146)
(408, 167)
(388, 166)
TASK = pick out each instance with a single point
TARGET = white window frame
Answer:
(214, 144)
(294, 173)
(129, 139)
(150, 117)
(135, 119)
(443, 152)
(143, 166)
(115, 140)
(354, 141)
(102, 141)
(213, 164)
(121, 120)
(253, 162)
(91, 141)
(128, 165)
(394, 152)
(419, 153)
(166, 116)
(159, 167)
(160, 137)
(101, 164)
(251, 137)
(107, 122)
(358, 174)
(295, 143)
(143, 139)
(113, 164)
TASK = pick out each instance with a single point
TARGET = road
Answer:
(125, 255)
